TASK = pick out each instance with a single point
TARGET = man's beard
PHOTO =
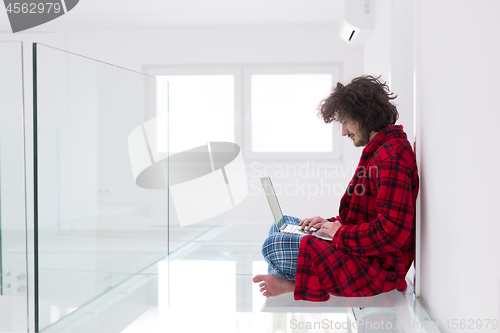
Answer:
(363, 141)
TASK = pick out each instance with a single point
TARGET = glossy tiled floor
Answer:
(205, 285)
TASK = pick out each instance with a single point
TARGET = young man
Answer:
(373, 242)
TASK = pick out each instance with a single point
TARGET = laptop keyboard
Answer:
(296, 229)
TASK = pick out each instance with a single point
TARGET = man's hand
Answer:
(312, 222)
(330, 228)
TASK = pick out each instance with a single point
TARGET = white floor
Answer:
(205, 285)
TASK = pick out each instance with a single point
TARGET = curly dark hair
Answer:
(366, 100)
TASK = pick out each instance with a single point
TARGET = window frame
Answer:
(242, 100)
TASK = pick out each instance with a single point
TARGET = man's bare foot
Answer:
(272, 285)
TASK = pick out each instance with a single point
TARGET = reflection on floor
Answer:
(205, 285)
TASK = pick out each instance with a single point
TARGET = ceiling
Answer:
(90, 14)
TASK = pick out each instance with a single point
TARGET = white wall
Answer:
(135, 48)
(459, 110)
(378, 46)
(138, 48)
(388, 51)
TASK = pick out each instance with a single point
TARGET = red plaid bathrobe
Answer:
(374, 248)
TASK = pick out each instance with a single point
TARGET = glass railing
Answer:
(101, 200)
(206, 167)
(13, 259)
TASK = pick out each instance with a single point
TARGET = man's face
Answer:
(352, 129)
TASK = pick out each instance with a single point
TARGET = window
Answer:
(269, 111)
(201, 105)
(281, 105)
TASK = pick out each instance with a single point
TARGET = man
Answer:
(374, 235)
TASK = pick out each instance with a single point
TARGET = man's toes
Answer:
(257, 278)
(262, 284)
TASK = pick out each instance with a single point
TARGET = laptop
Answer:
(279, 220)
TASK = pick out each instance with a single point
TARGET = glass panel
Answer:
(13, 260)
(202, 109)
(284, 113)
(102, 203)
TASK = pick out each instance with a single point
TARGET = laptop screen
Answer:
(273, 201)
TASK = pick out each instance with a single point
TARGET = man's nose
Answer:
(345, 131)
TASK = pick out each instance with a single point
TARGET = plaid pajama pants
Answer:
(281, 250)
